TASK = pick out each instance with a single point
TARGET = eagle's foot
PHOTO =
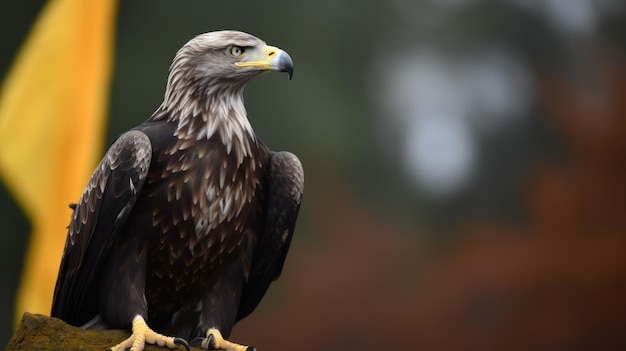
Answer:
(142, 334)
(215, 341)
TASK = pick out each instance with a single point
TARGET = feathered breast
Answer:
(206, 205)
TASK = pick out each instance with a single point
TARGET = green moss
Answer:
(42, 333)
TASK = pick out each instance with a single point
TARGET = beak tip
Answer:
(284, 63)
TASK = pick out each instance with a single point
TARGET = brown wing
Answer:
(284, 196)
(101, 212)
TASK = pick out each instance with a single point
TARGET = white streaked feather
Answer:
(204, 106)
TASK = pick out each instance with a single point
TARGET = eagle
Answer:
(189, 216)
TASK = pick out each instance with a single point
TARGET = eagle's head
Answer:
(234, 55)
(206, 81)
(224, 60)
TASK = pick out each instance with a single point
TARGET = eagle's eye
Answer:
(236, 51)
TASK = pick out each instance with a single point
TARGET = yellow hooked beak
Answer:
(268, 58)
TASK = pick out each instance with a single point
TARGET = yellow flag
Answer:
(52, 108)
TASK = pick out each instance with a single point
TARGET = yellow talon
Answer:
(142, 334)
(217, 342)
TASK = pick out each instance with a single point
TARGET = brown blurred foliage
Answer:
(556, 283)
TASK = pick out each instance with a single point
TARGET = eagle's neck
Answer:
(207, 111)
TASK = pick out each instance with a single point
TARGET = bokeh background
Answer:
(465, 165)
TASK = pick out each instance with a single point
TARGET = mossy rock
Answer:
(42, 333)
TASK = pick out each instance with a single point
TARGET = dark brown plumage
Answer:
(189, 216)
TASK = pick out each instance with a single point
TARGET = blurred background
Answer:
(465, 165)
